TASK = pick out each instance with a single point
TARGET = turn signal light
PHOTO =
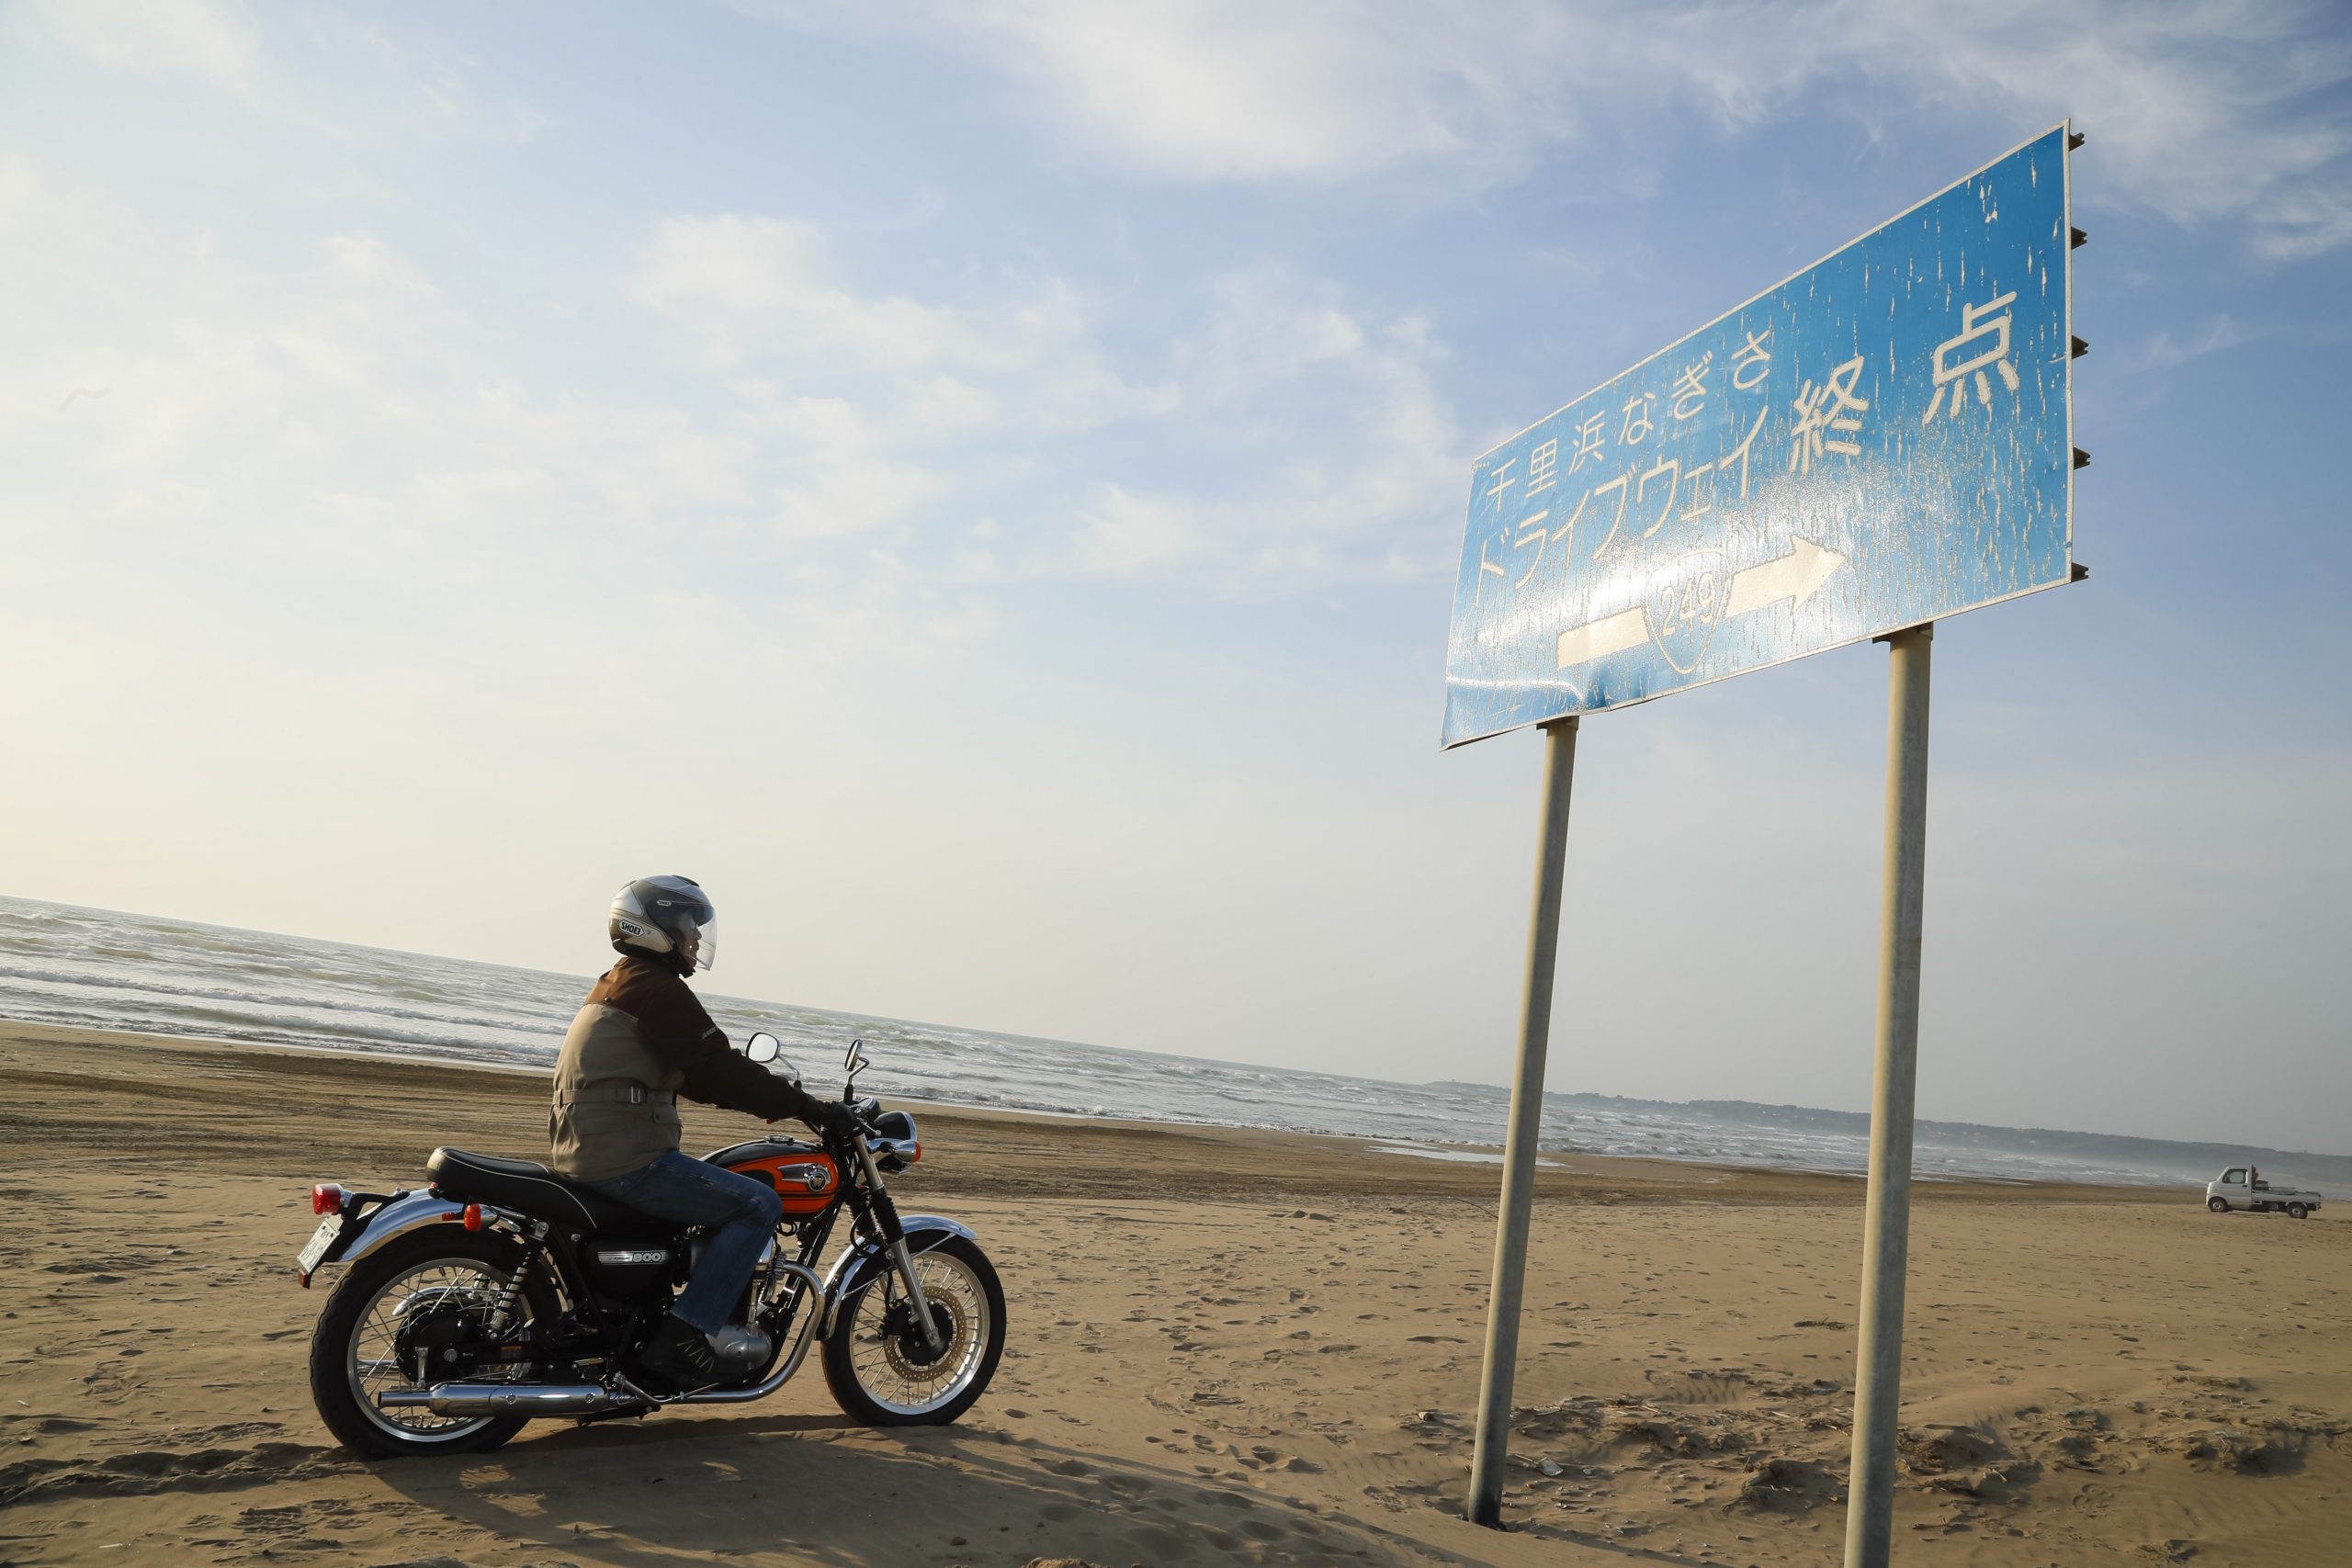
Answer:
(473, 1216)
(326, 1200)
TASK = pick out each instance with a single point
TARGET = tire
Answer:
(441, 1264)
(860, 1352)
(2297, 1212)
(2218, 1205)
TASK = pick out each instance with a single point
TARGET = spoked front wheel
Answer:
(878, 1361)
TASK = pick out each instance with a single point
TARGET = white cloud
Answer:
(1308, 442)
(1226, 89)
(333, 408)
(945, 403)
(330, 436)
(2307, 220)
(161, 37)
(1124, 533)
(758, 288)
(847, 478)
(2163, 354)
(335, 71)
(1335, 448)
(1231, 89)
(1266, 329)
(2202, 111)
(766, 300)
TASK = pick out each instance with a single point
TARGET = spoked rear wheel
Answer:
(881, 1368)
(424, 1303)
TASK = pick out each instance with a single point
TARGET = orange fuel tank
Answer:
(803, 1175)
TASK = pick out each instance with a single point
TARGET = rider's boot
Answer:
(678, 1358)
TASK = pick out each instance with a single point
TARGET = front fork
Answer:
(896, 1234)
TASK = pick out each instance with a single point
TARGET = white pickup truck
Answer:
(2243, 1187)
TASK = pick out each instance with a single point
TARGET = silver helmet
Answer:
(668, 915)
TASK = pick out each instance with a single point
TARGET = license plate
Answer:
(307, 1261)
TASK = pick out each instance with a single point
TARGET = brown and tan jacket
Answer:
(642, 1040)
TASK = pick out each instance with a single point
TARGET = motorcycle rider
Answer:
(642, 1039)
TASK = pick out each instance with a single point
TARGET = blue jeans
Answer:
(741, 1214)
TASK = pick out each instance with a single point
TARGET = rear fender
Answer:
(863, 1262)
(406, 1211)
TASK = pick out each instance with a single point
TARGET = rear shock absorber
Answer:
(502, 1316)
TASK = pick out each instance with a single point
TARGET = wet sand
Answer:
(1226, 1346)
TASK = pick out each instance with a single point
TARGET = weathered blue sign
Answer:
(1884, 439)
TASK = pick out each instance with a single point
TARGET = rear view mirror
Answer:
(763, 1048)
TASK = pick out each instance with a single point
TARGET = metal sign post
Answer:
(1526, 1124)
(1886, 1224)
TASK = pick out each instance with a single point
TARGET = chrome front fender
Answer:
(859, 1261)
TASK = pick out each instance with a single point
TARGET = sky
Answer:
(980, 486)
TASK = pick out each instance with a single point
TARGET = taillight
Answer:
(473, 1216)
(326, 1199)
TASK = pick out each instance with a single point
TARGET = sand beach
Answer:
(1226, 1346)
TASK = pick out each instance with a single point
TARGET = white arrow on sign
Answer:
(1793, 575)
(1796, 575)
(1610, 634)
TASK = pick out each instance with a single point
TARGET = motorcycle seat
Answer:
(532, 1189)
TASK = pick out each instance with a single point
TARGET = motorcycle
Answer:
(502, 1293)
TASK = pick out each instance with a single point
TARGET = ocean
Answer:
(141, 973)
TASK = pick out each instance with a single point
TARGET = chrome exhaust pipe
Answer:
(594, 1399)
(508, 1399)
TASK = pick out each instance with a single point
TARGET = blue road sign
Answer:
(1883, 440)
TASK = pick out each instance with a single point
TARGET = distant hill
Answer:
(2191, 1161)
